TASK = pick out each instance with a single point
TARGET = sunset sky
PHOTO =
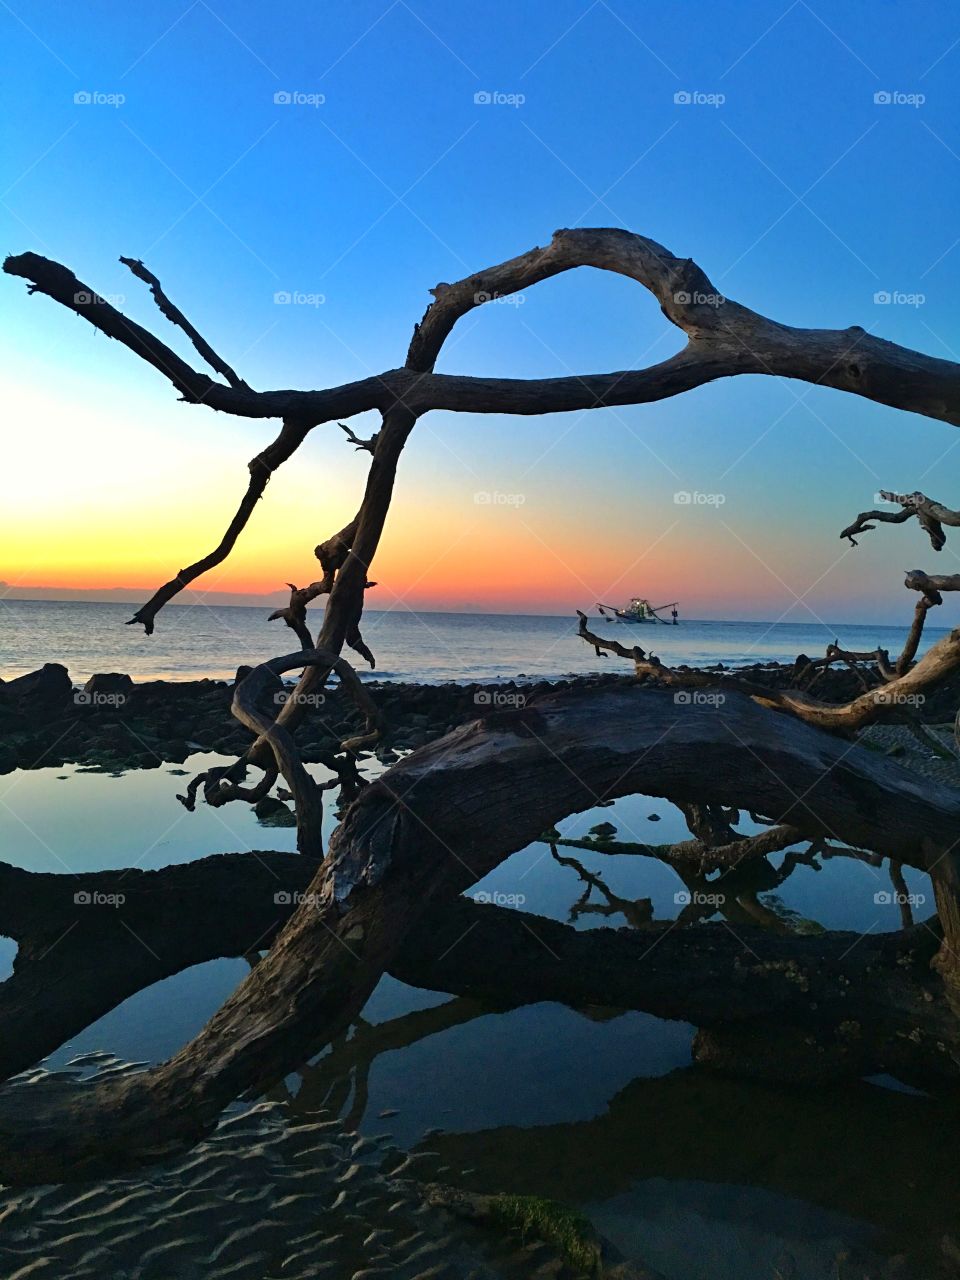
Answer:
(798, 193)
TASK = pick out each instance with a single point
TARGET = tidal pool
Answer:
(701, 1175)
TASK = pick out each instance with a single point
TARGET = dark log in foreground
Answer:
(782, 1007)
(76, 962)
(430, 827)
(88, 942)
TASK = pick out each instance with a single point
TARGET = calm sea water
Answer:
(203, 640)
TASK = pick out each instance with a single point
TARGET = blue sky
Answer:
(797, 192)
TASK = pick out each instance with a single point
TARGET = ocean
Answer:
(192, 641)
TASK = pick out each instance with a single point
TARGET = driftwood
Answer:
(901, 689)
(724, 339)
(930, 515)
(88, 942)
(433, 825)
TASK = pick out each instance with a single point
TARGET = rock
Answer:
(272, 812)
(48, 686)
(108, 688)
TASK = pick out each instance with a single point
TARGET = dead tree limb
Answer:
(725, 339)
(87, 942)
(683, 853)
(221, 785)
(707, 976)
(903, 688)
(261, 468)
(176, 317)
(426, 830)
(932, 583)
(930, 514)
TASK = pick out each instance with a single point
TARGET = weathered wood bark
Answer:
(444, 817)
(433, 825)
(76, 962)
(930, 514)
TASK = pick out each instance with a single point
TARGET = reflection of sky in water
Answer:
(508, 1085)
(538, 1064)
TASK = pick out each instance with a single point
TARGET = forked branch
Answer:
(930, 514)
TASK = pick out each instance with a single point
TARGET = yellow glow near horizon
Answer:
(103, 498)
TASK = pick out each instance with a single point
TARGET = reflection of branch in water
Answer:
(709, 856)
(341, 1075)
(637, 912)
(734, 893)
(902, 894)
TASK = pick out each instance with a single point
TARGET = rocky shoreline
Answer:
(113, 723)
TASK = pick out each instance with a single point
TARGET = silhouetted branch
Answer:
(262, 468)
(176, 316)
(725, 339)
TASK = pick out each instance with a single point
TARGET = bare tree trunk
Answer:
(433, 825)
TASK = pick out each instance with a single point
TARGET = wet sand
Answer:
(267, 1197)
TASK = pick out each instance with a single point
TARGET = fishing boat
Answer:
(639, 610)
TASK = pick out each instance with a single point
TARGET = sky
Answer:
(807, 156)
